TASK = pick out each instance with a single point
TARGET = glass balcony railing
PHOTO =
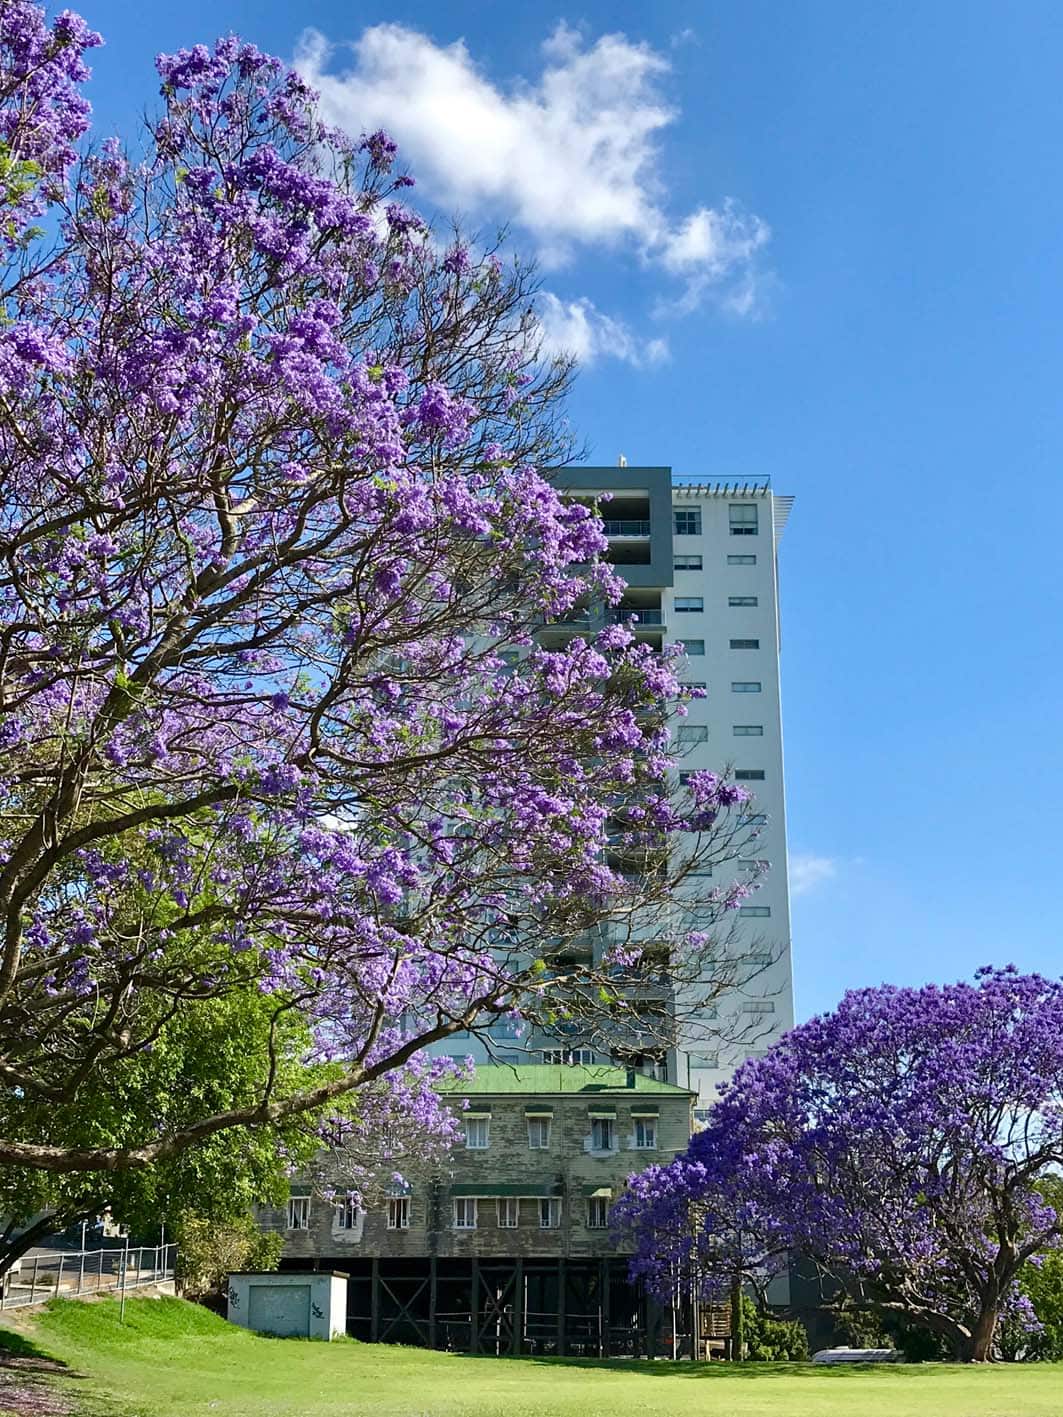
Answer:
(626, 528)
(641, 617)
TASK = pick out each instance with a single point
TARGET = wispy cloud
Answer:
(572, 156)
(808, 871)
(578, 328)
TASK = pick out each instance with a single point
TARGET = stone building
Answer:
(509, 1250)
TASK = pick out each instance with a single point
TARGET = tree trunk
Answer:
(738, 1336)
(980, 1347)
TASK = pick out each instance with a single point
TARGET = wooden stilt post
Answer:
(474, 1313)
(516, 1342)
(374, 1303)
(433, 1294)
(561, 1284)
(604, 1278)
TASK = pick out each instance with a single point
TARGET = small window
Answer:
(399, 1213)
(694, 684)
(694, 646)
(598, 1213)
(688, 563)
(603, 1134)
(741, 560)
(704, 1060)
(465, 1213)
(645, 1134)
(745, 686)
(736, 601)
(346, 1215)
(752, 867)
(477, 1133)
(688, 521)
(759, 912)
(693, 733)
(745, 644)
(755, 819)
(684, 777)
(549, 1213)
(743, 518)
(748, 730)
(538, 1133)
(508, 1212)
(749, 775)
(568, 1056)
(684, 604)
(298, 1212)
(759, 1006)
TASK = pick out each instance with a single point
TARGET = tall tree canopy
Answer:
(900, 1144)
(270, 530)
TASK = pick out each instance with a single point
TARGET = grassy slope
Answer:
(173, 1358)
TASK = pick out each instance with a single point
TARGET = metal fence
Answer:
(64, 1274)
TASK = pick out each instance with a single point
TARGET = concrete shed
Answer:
(289, 1305)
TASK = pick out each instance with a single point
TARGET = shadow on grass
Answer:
(32, 1382)
(708, 1372)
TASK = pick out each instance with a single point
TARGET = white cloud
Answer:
(578, 328)
(573, 156)
(808, 871)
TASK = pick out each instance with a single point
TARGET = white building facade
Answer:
(700, 559)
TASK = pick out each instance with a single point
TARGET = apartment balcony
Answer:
(637, 617)
(626, 526)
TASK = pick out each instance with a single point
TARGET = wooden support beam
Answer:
(374, 1304)
(474, 1309)
(516, 1338)
(433, 1295)
(604, 1281)
(561, 1284)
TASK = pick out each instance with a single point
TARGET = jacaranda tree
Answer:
(897, 1144)
(273, 555)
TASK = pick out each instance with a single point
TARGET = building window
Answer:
(298, 1212)
(399, 1213)
(464, 1213)
(477, 1133)
(748, 730)
(549, 1213)
(538, 1133)
(684, 604)
(693, 733)
(704, 1060)
(755, 819)
(749, 775)
(598, 1213)
(695, 684)
(745, 644)
(737, 601)
(688, 563)
(759, 1006)
(346, 1215)
(694, 646)
(743, 518)
(645, 1134)
(603, 1134)
(688, 521)
(508, 1212)
(745, 686)
(741, 560)
(752, 867)
(760, 912)
(684, 777)
(567, 1056)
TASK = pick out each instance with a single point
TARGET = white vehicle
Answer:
(858, 1355)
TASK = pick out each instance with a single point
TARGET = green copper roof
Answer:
(527, 1078)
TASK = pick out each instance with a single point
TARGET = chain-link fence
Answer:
(64, 1274)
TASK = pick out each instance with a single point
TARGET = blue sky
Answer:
(818, 241)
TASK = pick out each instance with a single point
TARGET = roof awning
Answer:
(645, 1109)
(596, 1110)
(477, 1109)
(593, 1192)
(539, 1109)
(488, 1190)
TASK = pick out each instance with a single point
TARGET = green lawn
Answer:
(172, 1359)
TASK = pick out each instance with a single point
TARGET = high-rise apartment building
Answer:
(700, 561)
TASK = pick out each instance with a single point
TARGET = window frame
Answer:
(298, 1205)
(743, 602)
(743, 526)
(692, 556)
(747, 686)
(648, 1126)
(744, 644)
(694, 514)
(544, 1127)
(603, 1205)
(468, 1205)
(549, 1212)
(510, 1206)
(609, 1124)
(485, 1123)
(747, 730)
(398, 1213)
(742, 559)
(688, 651)
(688, 604)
